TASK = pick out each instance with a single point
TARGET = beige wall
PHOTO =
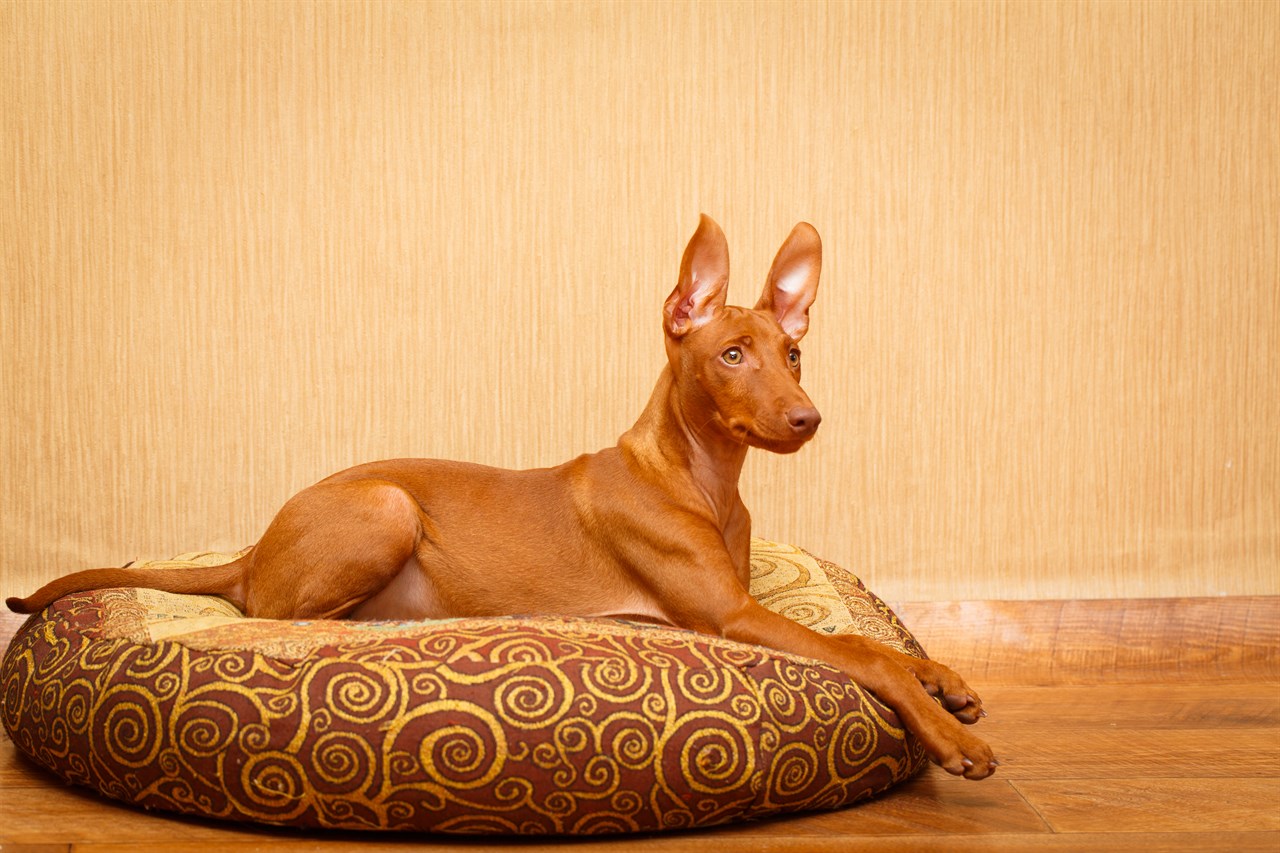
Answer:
(246, 245)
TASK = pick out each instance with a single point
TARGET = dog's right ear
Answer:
(703, 284)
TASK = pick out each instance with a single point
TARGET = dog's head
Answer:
(739, 369)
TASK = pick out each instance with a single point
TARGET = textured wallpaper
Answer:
(245, 245)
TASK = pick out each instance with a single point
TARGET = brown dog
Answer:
(652, 528)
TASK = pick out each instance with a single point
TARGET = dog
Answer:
(652, 529)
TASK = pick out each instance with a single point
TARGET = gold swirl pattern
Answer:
(510, 726)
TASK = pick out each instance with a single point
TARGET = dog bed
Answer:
(511, 725)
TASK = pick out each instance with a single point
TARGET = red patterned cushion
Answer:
(510, 725)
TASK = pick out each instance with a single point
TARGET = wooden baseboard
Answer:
(1082, 641)
(1093, 641)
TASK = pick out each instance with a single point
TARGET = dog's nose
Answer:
(804, 420)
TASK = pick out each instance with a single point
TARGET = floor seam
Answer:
(1013, 783)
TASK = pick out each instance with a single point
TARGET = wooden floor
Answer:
(1122, 726)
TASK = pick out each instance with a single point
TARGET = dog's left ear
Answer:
(793, 280)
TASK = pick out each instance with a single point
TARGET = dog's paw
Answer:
(976, 763)
(949, 689)
(961, 754)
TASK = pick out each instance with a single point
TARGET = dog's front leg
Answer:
(694, 581)
(938, 680)
(877, 668)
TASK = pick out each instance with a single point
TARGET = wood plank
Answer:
(712, 840)
(1120, 731)
(1147, 805)
(18, 772)
(1225, 705)
(939, 803)
(933, 803)
(56, 812)
(1088, 642)
(1115, 753)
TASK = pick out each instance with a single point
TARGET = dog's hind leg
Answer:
(331, 547)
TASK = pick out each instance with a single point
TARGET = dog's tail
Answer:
(226, 581)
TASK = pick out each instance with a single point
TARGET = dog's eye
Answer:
(793, 358)
(733, 355)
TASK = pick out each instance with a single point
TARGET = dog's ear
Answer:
(793, 280)
(703, 283)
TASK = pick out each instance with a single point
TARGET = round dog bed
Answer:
(511, 725)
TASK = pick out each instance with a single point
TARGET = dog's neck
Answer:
(669, 440)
